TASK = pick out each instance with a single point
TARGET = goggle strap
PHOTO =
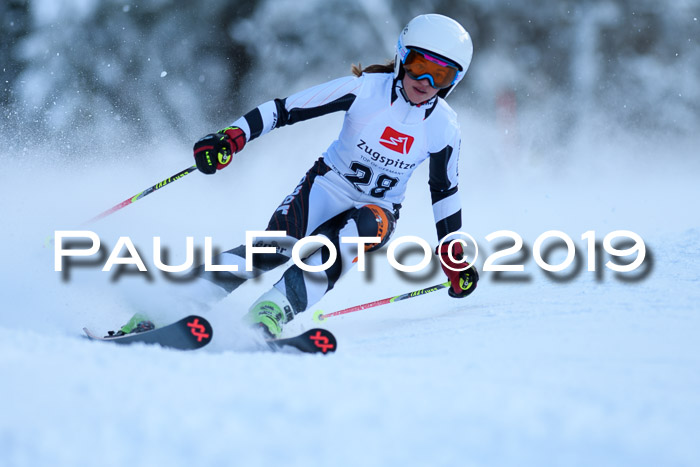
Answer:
(433, 58)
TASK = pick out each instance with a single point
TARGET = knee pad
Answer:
(374, 221)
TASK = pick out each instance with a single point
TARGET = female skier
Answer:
(395, 118)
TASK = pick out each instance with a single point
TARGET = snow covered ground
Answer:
(591, 370)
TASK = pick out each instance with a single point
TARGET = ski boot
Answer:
(269, 313)
(138, 323)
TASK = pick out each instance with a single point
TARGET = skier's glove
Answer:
(215, 151)
(462, 282)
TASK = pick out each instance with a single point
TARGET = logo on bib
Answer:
(396, 141)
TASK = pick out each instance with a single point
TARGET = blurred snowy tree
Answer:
(73, 68)
(14, 18)
(152, 68)
(638, 60)
(297, 44)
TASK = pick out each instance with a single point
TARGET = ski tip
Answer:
(314, 341)
(320, 340)
(199, 329)
(318, 316)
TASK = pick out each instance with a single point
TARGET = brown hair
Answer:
(387, 67)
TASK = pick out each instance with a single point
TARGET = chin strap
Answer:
(399, 85)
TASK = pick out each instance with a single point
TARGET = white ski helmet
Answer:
(438, 35)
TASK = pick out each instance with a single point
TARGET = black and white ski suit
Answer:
(364, 171)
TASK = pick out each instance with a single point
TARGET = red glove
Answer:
(462, 282)
(215, 151)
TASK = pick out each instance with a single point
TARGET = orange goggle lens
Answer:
(419, 65)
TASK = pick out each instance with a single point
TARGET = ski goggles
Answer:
(420, 65)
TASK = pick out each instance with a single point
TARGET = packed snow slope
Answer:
(573, 368)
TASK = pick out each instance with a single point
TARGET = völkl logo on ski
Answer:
(198, 330)
(396, 141)
(321, 342)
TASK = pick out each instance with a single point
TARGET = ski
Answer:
(190, 333)
(312, 341)
(194, 332)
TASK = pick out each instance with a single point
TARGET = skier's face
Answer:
(418, 91)
(420, 64)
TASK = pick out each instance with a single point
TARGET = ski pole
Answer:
(320, 316)
(145, 192)
(49, 240)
